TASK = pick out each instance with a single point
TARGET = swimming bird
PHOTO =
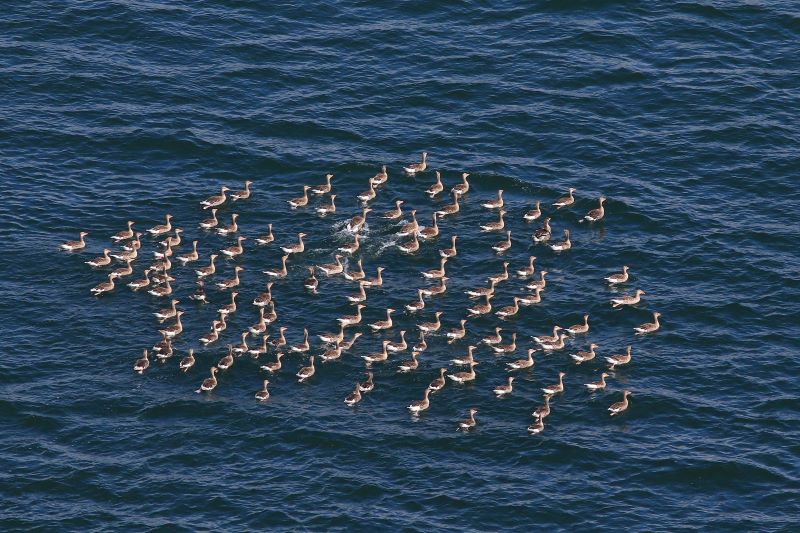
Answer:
(533, 214)
(368, 195)
(509, 310)
(619, 277)
(400, 345)
(565, 201)
(328, 208)
(332, 338)
(555, 345)
(135, 244)
(458, 333)
(504, 245)
(597, 385)
(141, 283)
(481, 308)
(543, 233)
(463, 361)
(142, 364)
(360, 296)
(438, 383)
(221, 324)
(163, 265)
(409, 228)
(189, 257)
(260, 350)
(210, 223)
(160, 292)
(325, 188)
(216, 200)
(595, 214)
(377, 357)
(413, 168)
(383, 324)
(430, 232)
(469, 422)
(421, 344)
(209, 383)
(170, 312)
(493, 339)
(332, 269)
(463, 187)
(280, 340)
(175, 329)
(124, 235)
(267, 238)
(481, 291)
(531, 299)
(233, 227)
(560, 246)
(520, 364)
(411, 246)
(495, 204)
(161, 229)
(450, 252)
(273, 367)
(431, 327)
(436, 290)
(278, 273)
(408, 366)
(303, 346)
(130, 255)
(352, 320)
(74, 246)
(265, 297)
(620, 359)
(539, 284)
(227, 361)
(544, 339)
(497, 225)
(417, 304)
(209, 270)
(242, 347)
(263, 394)
(503, 276)
(450, 209)
(357, 222)
(311, 282)
(103, 260)
(507, 348)
(354, 397)
(270, 315)
(377, 281)
(436, 273)
(296, 248)
(579, 328)
(352, 247)
(417, 406)
(331, 354)
(243, 194)
(172, 241)
(235, 250)
(582, 357)
(620, 407)
(210, 337)
(649, 327)
(395, 213)
(301, 201)
(260, 326)
(380, 178)
(437, 187)
(628, 300)
(502, 390)
(352, 274)
(558, 387)
(463, 377)
(187, 362)
(347, 344)
(543, 411)
(232, 282)
(368, 385)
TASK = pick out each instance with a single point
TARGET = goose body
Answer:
(597, 385)
(278, 273)
(303, 346)
(383, 324)
(268, 237)
(438, 383)
(436, 290)
(189, 257)
(452, 251)
(242, 347)
(175, 329)
(469, 422)
(333, 338)
(352, 274)
(331, 354)
(620, 359)
(325, 188)
(161, 229)
(377, 357)
(280, 340)
(619, 277)
(417, 304)
(413, 168)
(142, 364)
(227, 361)
(533, 214)
(582, 357)
(380, 178)
(509, 310)
(565, 201)
(235, 250)
(458, 333)
(103, 260)
(273, 367)
(368, 385)
(542, 234)
(539, 284)
(628, 300)
(520, 364)
(210, 383)
(135, 244)
(497, 225)
(467, 360)
(264, 298)
(328, 208)
(352, 320)
(395, 213)
(260, 327)
(408, 366)
(377, 281)
(558, 387)
(417, 406)
(210, 337)
(481, 308)
(431, 232)
(481, 291)
(507, 348)
(436, 273)
(231, 228)
(347, 344)
(187, 362)
(450, 209)
(409, 228)
(649, 327)
(216, 200)
(437, 187)
(555, 345)
(504, 245)
(296, 248)
(301, 201)
(543, 411)
(503, 276)
(494, 204)
(421, 344)
(431, 327)
(493, 339)
(127, 270)
(244, 194)
(124, 235)
(354, 397)
(232, 282)
(464, 377)
(263, 394)
(160, 292)
(561, 246)
(351, 248)
(400, 345)
(620, 407)
(210, 223)
(578, 329)
(332, 269)
(595, 214)
(532, 299)
(357, 222)
(409, 247)
(209, 270)
(503, 390)
(141, 283)
(463, 187)
(260, 350)
(311, 282)
(368, 195)
(360, 296)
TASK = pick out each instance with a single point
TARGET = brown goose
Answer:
(463, 187)
(331, 354)
(380, 178)
(452, 251)
(210, 223)
(431, 327)
(503, 276)
(503, 390)
(303, 346)
(417, 406)
(537, 427)
(409, 228)
(273, 367)
(377, 357)
(135, 244)
(267, 238)
(463, 377)
(543, 411)
(227, 361)
(311, 282)
(297, 248)
(167, 313)
(413, 168)
(306, 372)
(408, 366)
(436, 273)
(161, 229)
(503, 246)
(354, 397)
(242, 347)
(438, 383)
(265, 297)
(383, 324)
(142, 364)
(232, 282)
(173, 241)
(369, 194)
(649, 327)
(103, 260)
(355, 275)
(243, 194)
(231, 228)
(235, 250)
(325, 188)
(497, 225)
(360, 296)
(495, 204)
(493, 339)
(122, 272)
(481, 308)
(578, 329)
(189, 257)
(421, 345)
(556, 345)
(367, 385)
(357, 222)
(620, 277)
(565, 201)
(431, 232)
(532, 299)
(595, 214)
(351, 247)
(628, 300)
(597, 385)
(211, 337)
(124, 235)
(620, 407)
(469, 422)
(209, 270)
(539, 284)
(280, 340)
(533, 214)
(398, 346)
(544, 339)
(141, 283)
(347, 344)
(187, 362)
(260, 327)
(509, 310)
(216, 200)
(327, 209)
(560, 246)
(582, 357)
(463, 361)
(450, 209)
(558, 387)
(519, 364)
(395, 213)
(417, 304)
(263, 394)
(527, 271)
(481, 291)
(511, 347)
(331, 269)
(437, 187)
(332, 338)
(209, 383)
(175, 329)
(542, 234)
(620, 359)
(278, 273)
(260, 350)
(352, 320)
(377, 281)
(458, 333)
(436, 290)
(301, 201)
(411, 246)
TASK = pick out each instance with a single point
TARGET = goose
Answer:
(209, 270)
(328, 208)
(463, 377)
(548, 338)
(135, 244)
(278, 272)
(543, 411)
(497, 225)
(303, 346)
(354, 397)
(296, 248)
(493, 339)
(167, 313)
(233, 227)
(377, 281)
(531, 299)
(495, 204)
(161, 266)
(560, 246)
(377, 357)
(520, 364)
(619, 277)
(417, 304)
(236, 249)
(216, 200)
(431, 232)
(450, 252)
(122, 272)
(628, 300)
(411, 246)
(539, 284)
(265, 297)
(261, 350)
(352, 320)
(556, 345)
(368, 195)
(331, 354)
(542, 234)
(421, 344)
(595, 214)
(263, 394)
(273, 367)
(437, 187)
(469, 422)
(649, 327)
(417, 406)
(126, 255)
(161, 229)
(503, 390)
(311, 282)
(408, 366)
(331, 269)
(141, 283)
(380, 178)
(463, 361)
(620, 407)
(333, 338)
(431, 327)
(325, 188)
(620, 359)
(173, 241)
(436, 273)
(302, 201)
(436, 290)
(355, 275)
(413, 168)
(163, 346)
(463, 187)
(395, 213)
(189, 257)
(210, 337)
(360, 296)
(243, 194)
(458, 333)
(582, 357)
(409, 228)
(481, 291)
(399, 346)
(507, 348)
(351, 248)
(270, 315)
(558, 387)
(220, 324)
(450, 209)
(187, 362)
(209, 383)
(242, 347)
(579, 328)
(438, 383)
(227, 361)
(161, 278)
(497, 278)
(232, 282)
(481, 308)
(175, 329)
(357, 222)
(367, 385)
(259, 327)
(280, 340)
(347, 344)
(160, 292)
(533, 214)
(565, 201)
(536, 427)
(597, 385)
(103, 260)
(210, 223)
(268, 237)
(509, 310)
(142, 364)
(124, 235)
(383, 324)
(504, 245)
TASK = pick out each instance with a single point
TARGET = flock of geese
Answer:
(259, 340)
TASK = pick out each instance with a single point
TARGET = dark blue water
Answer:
(684, 114)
